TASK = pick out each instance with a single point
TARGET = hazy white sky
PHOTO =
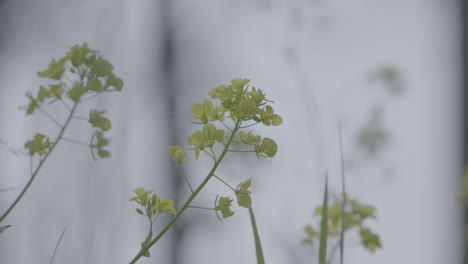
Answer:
(313, 58)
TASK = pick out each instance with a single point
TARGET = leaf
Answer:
(311, 233)
(267, 147)
(167, 205)
(32, 105)
(97, 120)
(243, 194)
(40, 144)
(76, 91)
(102, 142)
(79, 54)
(224, 204)
(113, 81)
(55, 70)
(101, 67)
(177, 154)
(370, 240)
(94, 85)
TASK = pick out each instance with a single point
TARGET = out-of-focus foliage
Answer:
(355, 216)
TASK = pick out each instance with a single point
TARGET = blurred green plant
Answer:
(353, 218)
(243, 107)
(80, 75)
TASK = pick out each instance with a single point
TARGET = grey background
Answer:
(313, 58)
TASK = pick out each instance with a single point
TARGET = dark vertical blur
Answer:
(464, 10)
(169, 82)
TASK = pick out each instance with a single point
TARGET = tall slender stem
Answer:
(190, 199)
(258, 244)
(38, 168)
(343, 186)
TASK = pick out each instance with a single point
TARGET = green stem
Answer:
(190, 199)
(58, 244)
(185, 177)
(200, 207)
(36, 171)
(324, 227)
(224, 182)
(343, 186)
(258, 244)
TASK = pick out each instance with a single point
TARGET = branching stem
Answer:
(191, 197)
(224, 182)
(39, 166)
(185, 177)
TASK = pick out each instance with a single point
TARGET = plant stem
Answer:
(185, 177)
(36, 171)
(58, 243)
(224, 182)
(190, 199)
(258, 244)
(324, 226)
(343, 186)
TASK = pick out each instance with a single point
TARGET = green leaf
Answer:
(101, 67)
(101, 143)
(205, 138)
(76, 91)
(370, 240)
(207, 112)
(97, 120)
(79, 54)
(311, 233)
(224, 204)
(247, 109)
(167, 205)
(55, 70)
(177, 154)
(56, 90)
(94, 85)
(267, 147)
(139, 211)
(113, 81)
(32, 105)
(243, 194)
(249, 138)
(40, 145)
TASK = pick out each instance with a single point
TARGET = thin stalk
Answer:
(224, 182)
(38, 168)
(185, 177)
(65, 104)
(50, 117)
(343, 186)
(250, 125)
(200, 207)
(258, 244)
(75, 141)
(190, 199)
(324, 227)
(56, 246)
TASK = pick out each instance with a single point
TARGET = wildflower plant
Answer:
(223, 118)
(82, 74)
(354, 217)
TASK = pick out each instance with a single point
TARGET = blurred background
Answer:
(390, 72)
